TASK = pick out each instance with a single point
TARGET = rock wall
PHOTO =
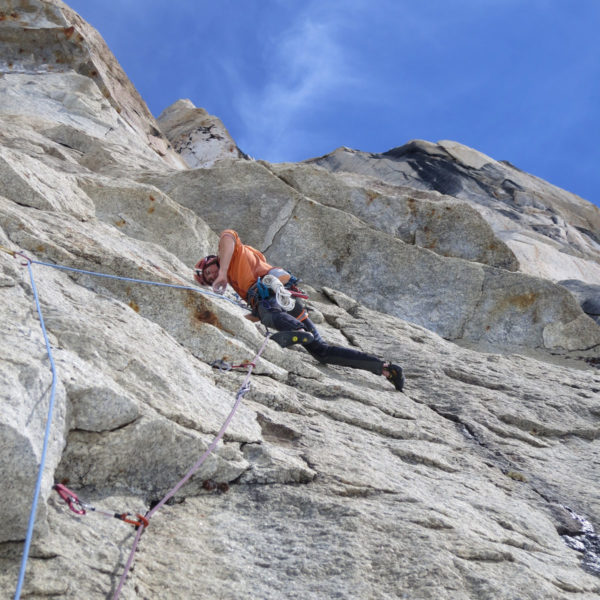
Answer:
(553, 233)
(479, 481)
(418, 256)
(199, 138)
(57, 68)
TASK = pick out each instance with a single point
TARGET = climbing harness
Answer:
(270, 286)
(140, 522)
(81, 508)
(263, 290)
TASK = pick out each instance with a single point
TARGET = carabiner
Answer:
(70, 498)
(141, 521)
(221, 364)
(27, 259)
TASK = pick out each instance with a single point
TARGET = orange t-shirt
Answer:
(246, 266)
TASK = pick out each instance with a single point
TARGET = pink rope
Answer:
(243, 389)
(129, 562)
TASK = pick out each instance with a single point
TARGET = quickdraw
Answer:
(141, 520)
(70, 498)
(15, 253)
(294, 290)
(81, 508)
(223, 365)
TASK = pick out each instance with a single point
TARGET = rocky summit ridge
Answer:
(479, 481)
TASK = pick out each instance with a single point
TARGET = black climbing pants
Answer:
(273, 316)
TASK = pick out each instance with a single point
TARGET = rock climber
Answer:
(273, 297)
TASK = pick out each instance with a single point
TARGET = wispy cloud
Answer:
(305, 64)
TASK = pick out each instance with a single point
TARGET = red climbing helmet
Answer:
(207, 261)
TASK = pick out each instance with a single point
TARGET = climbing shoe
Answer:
(288, 338)
(395, 375)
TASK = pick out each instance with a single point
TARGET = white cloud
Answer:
(305, 64)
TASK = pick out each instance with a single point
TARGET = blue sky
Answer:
(293, 79)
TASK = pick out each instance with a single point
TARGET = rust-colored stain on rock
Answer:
(522, 301)
(206, 316)
(371, 195)
(201, 314)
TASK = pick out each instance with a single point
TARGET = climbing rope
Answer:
(141, 523)
(244, 388)
(130, 279)
(38, 483)
(283, 297)
(30, 261)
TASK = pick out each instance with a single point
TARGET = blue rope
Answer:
(38, 484)
(169, 285)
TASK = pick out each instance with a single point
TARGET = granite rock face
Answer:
(58, 69)
(339, 241)
(199, 138)
(479, 481)
(588, 296)
(422, 219)
(553, 233)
